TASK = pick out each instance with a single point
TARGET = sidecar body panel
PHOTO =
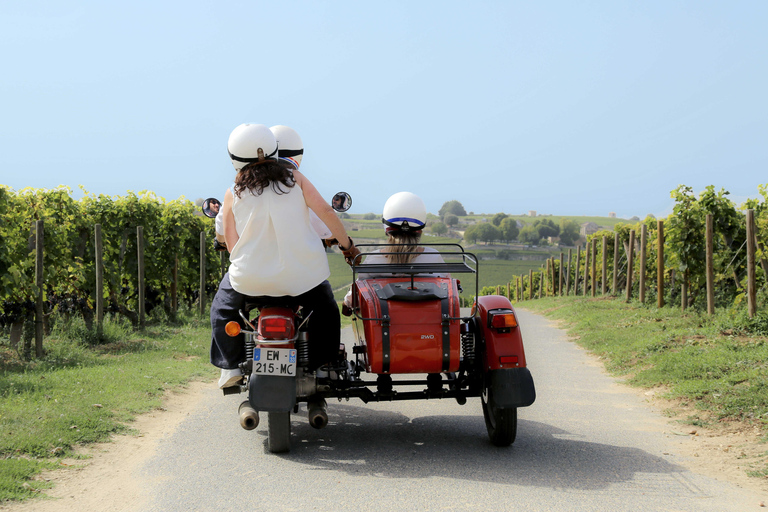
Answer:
(409, 326)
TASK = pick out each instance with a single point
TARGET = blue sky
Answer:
(566, 108)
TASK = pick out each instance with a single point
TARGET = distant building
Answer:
(589, 228)
(531, 213)
(612, 215)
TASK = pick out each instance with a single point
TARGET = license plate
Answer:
(275, 361)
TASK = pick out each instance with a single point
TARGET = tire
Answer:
(279, 432)
(501, 424)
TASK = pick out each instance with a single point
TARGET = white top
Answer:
(278, 252)
(318, 225)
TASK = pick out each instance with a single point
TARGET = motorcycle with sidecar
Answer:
(412, 341)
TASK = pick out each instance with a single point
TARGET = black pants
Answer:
(324, 326)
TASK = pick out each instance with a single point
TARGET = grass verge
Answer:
(81, 393)
(716, 366)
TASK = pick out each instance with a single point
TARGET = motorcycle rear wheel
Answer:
(279, 432)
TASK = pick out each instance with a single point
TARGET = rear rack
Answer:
(466, 265)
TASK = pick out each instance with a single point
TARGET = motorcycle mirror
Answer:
(341, 202)
(211, 207)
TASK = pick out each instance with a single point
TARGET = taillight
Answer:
(276, 327)
(502, 319)
(508, 360)
(232, 329)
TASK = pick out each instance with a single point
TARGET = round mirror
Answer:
(341, 202)
(211, 207)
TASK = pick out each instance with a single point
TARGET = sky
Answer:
(562, 107)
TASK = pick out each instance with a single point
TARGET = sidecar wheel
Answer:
(279, 432)
(501, 424)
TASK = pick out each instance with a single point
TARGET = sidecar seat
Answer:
(408, 326)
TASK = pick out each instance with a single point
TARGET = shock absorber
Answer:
(468, 348)
(249, 347)
(302, 349)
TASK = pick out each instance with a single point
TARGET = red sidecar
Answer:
(409, 322)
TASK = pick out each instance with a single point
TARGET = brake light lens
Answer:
(508, 360)
(276, 327)
(503, 320)
(232, 329)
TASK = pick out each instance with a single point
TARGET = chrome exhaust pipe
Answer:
(249, 417)
(318, 416)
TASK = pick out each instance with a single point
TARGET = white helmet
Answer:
(405, 212)
(290, 147)
(247, 141)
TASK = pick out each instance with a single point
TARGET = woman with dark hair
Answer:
(275, 255)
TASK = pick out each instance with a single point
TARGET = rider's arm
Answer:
(228, 219)
(323, 210)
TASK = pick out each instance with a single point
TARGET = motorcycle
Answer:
(408, 323)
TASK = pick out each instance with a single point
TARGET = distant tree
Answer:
(439, 228)
(509, 229)
(488, 233)
(529, 234)
(569, 232)
(369, 216)
(470, 234)
(546, 228)
(451, 219)
(498, 218)
(199, 201)
(453, 207)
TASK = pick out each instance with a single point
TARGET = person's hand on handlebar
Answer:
(350, 253)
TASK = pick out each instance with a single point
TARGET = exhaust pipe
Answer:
(249, 417)
(318, 416)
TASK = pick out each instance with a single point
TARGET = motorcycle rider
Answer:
(274, 254)
(404, 218)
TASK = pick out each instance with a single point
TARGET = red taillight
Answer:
(508, 359)
(276, 327)
(502, 320)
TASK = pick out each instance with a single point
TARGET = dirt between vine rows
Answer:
(109, 479)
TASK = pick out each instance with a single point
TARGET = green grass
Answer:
(80, 394)
(718, 364)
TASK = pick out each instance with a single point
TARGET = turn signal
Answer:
(232, 329)
(505, 320)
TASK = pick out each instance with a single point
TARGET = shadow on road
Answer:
(362, 441)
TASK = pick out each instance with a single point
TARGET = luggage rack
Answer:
(466, 265)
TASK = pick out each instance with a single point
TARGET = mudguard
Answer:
(272, 393)
(503, 356)
(512, 388)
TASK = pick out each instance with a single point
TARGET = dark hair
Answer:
(257, 176)
(406, 243)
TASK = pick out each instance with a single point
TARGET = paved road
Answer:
(587, 444)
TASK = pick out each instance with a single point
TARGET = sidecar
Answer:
(411, 332)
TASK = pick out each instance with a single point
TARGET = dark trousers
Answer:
(324, 326)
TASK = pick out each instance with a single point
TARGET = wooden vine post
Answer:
(660, 263)
(39, 282)
(605, 266)
(643, 240)
(710, 235)
(530, 284)
(99, 250)
(586, 269)
(202, 273)
(751, 277)
(560, 277)
(140, 251)
(576, 279)
(175, 286)
(630, 269)
(568, 273)
(594, 266)
(615, 287)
